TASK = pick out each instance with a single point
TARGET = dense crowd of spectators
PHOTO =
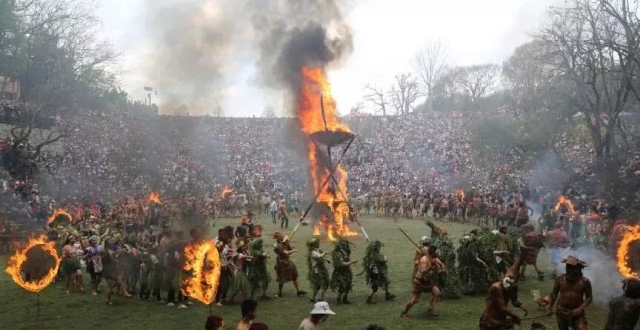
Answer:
(114, 155)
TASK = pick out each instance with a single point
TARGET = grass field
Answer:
(83, 311)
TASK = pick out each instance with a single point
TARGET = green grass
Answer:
(83, 311)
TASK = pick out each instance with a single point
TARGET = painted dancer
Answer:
(318, 275)
(375, 268)
(573, 294)
(425, 281)
(342, 277)
(496, 315)
(285, 269)
(530, 245)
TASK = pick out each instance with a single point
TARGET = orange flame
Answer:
(20, 257)
(633, 234)
(58, 212)
(154, 197)
(203, 261)
(314, 85)
(226, 191)
(564, 201)
(460, 194)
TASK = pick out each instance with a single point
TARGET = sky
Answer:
(387, 35)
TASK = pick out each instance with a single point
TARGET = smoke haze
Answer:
(192, 45)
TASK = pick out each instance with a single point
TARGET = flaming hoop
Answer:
(20, 257)
(566, 202)
(203, 261)
(325, 131)
(632, 235)
(226, 191)
(154, 197)
(57, 213)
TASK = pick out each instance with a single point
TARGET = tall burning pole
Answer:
(320, 123)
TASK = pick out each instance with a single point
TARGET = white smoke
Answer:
(601, 270)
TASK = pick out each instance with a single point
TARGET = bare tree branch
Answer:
(377, 97)
(404, 93)
(431, 62)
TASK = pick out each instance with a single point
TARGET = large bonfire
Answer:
(317, 113)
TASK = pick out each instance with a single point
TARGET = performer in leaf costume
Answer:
(257, 273)
(318, 275)
(375, 269)
(341, 278)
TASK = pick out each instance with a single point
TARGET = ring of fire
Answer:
(58, 212)
(632, 235)
(20, 257)
(203, 261)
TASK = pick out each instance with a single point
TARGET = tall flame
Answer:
(632, 235)
(59, 212)
(20, 257)
(154, 197)
(310, 116)
(564, 201)
(203, 261)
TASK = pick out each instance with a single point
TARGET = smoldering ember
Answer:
(320, 164)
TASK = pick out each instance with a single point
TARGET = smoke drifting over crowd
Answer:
(299, 33)
(192, 45)
(195, 44)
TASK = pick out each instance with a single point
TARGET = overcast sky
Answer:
(387, 35)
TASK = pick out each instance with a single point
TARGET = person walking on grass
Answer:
(319, 315)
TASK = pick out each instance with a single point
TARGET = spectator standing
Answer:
(273, 209)
(248, 309)
(319, 314)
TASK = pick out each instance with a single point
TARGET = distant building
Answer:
(9, 88)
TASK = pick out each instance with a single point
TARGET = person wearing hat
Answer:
(575, 295)
(286, 270)
(319, 314)
(624, 311)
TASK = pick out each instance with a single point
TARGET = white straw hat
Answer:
(322, 308)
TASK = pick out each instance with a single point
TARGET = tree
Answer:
(356, 108)
(404, 93)
(589, 43)
(431, 62)
(529, 76)
(476, 80)
(269, 112)
(20, 158)
(62, 63)
(378, 98)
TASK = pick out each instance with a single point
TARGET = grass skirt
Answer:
(240, 283)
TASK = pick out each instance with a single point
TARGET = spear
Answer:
(409, 238)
